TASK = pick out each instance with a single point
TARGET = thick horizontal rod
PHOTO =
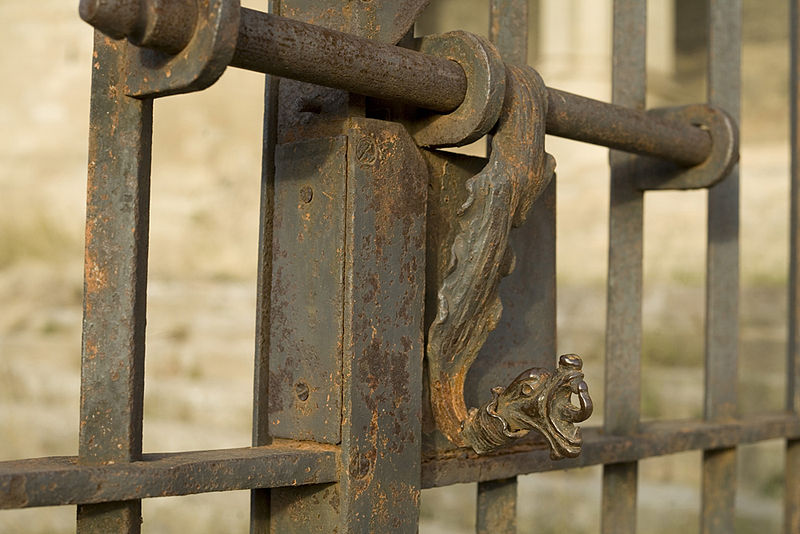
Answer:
(657, 438)
(600, 123)
(62, 480)
(314, 54)
(292, 49)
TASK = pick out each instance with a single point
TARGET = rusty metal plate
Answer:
(306, 331)
(384, 280)
(384, 302)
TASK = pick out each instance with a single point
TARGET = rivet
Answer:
(306, 194)
(301, 389)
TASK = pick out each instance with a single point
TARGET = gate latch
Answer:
(468, 306)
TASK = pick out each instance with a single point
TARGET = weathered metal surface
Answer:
(448, 172)
(378, 489)
(660, 175)
(324, 56)
(526, 332)
(625, 127)
(478, 217)
(722, 275)
(536, 400)
(305, 388)
(508, 29)
(497, 507)
(525, 335)
(483, 101)
(723, 222)
(385, 21)
(384, 318)
(184, 45)
(381, 199)
(64, 480)
(793, 349)
(198, 65)
(115, 280)
(260, 498)
(166, 25)
(654, 438)
(300, 111)
(624, 293)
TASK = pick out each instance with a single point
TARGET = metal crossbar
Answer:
(329, 478)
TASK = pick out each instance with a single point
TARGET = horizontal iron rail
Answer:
(61, 480)
(657, 438)
(292, 49)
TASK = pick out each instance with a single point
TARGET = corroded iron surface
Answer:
(468, 306)
(483, 100)
(305, 378)
(64, 480)
(652, 438)
(152, 72)
(539, 400)
(380, 197)
(338, 47)
(653, 174)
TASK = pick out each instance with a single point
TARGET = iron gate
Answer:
(373, 253)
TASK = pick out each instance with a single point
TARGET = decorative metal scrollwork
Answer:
(468, 307)
(537, 399)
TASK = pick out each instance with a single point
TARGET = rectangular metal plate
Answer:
(384, 317)
(382, 321)
(305, 386)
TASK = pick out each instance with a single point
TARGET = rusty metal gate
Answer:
(380, 267)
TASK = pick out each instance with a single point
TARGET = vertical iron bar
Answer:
(722, 271)
(792, 471)
(497, 507)
(115, 281)
(260, 498)
(624, 311)
(508, 29)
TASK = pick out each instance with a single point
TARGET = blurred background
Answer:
(204, 223)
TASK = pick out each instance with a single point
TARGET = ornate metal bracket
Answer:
(468, 307)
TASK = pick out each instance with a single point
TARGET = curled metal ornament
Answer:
(468, 306)
(537, 399)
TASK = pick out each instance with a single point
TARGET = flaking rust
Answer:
(467, 303)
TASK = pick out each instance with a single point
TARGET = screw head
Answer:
(301, 389)
(306, 194)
